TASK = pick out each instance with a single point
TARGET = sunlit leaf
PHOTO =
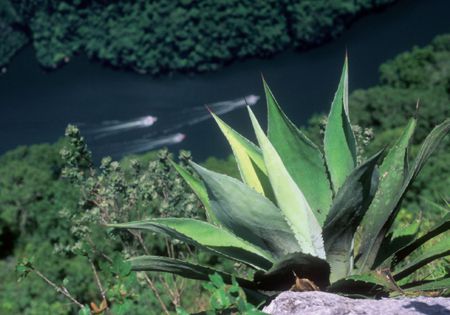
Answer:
(248, 214)
(248, 158)
(339, 140)
(392, 175)
(301, 157)
(199, 189)
(431, 252)
(208, 236)
(290, 198)
(441, 227)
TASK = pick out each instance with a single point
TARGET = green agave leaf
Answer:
(249, 160)
(400, 254)
(432, 285)
(367, 285)
(290, 199)
(248, 214)
(391, 244)
(339, 140)
(199, 189)
(182, 268)
(347, 211)
(206, 235)
(430, 143)
(282, 275)
(392, 175)
(436, 251)
(301, 157)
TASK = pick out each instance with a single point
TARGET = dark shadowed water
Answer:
(35, 106)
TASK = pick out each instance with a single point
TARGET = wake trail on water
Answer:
(167, 125)
(110, 128)
(143, 145)
(195, 115)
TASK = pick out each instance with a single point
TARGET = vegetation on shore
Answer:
(166, 36)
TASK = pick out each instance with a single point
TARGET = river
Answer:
(35, 105)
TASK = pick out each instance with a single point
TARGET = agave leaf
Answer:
(433, 252)
(392, 174)
(339, 140)
(182, 268)
(367, 285)
(205, 235)
(199, 189)
(347, 211)
(391, 244)
(282, 275)
(400, 254)
(301, 157)
(297, 212)
(430, 143)
(248, 214)
(432, 285)
(249, 160)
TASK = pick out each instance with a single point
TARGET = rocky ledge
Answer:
(321, 303)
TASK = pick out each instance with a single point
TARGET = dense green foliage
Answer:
(12, 35)
(182, 35)
(47, 222)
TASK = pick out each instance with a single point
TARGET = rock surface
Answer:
(321, 303)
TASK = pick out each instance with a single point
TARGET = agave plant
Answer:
(297, 209)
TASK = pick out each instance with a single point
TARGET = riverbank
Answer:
(174, 36)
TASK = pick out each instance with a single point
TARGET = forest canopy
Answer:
(166, 36)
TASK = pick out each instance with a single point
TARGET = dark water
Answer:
(35, 106)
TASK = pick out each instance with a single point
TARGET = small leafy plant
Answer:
(225, 298)
(305, 213)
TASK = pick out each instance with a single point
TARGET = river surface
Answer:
(35, 106)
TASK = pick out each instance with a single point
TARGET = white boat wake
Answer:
(168, 125)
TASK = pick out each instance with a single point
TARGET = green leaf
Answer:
(392, 175)
(432, 285)
(205, 235)
(198, 188)
(248, 158)
(297, 212)
(433, 252)
(391, 244)
(441, 227)
(347, 211)
(282, 275)
(339, 140)
(301, 157)
(430, 144)
(120, 267)
(248, 214)
(360, 286)
(182, 268)
(85, 311)
(391, 206)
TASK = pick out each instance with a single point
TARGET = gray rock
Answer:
(321, 303)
